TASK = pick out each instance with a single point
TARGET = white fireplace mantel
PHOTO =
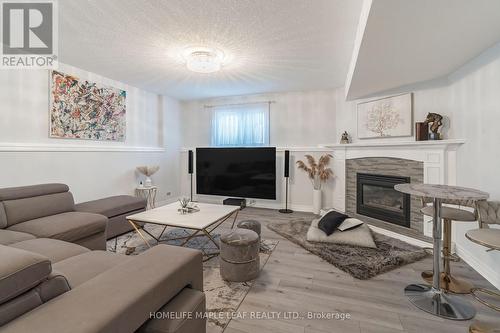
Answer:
(393, 143)
(439, 159)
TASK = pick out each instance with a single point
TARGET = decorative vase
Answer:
(316, 201)
(148, 182)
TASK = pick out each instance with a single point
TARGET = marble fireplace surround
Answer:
(385, 166)
(438, 158)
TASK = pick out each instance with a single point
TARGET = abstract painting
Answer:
(81, 109)
(386, 117)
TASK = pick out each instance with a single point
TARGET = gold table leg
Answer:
(206, 232)
(139, 232)
(211, 238)
(234, 220)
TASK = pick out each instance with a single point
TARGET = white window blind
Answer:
(240, 125)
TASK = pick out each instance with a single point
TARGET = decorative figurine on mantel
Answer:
(345, 138)
(437, 121)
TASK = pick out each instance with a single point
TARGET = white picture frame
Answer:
(386, 117)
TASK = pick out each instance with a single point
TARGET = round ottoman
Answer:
(251, 225)
(239, 255)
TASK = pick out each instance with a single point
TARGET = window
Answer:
(241, 125)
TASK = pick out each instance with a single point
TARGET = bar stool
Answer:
(449, 214)
(488, 214)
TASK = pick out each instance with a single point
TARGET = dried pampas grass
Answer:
(318, 172)
(148, 171)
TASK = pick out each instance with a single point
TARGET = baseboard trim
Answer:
(295, 207)
(268, 204)
(482, 269)
(407, 239)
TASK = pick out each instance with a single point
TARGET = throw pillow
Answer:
(361, 236)
(349, 224)
(330, 221)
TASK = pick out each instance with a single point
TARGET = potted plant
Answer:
(318, 174)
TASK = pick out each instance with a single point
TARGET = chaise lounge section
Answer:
(116, 209)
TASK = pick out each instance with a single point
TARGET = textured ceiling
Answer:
(275, 45)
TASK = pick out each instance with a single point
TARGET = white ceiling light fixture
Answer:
(204, 60)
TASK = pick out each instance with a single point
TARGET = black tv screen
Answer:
(236, 172)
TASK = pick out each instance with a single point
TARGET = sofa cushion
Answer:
(70, 226)
(86, 266)
(54, 286)
(112, 206)
(54, 249)
(25, 209)
(3, 216)
(20, 271)
(18, 306)
(13, 193)
(8, 237)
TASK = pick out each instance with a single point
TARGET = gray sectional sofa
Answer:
(48, 211)
(55, 277)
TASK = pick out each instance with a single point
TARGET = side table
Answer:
(148, 193)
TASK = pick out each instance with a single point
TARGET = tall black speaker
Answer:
(190, 171)
(286, 174)
(190, 162)
(287, 164)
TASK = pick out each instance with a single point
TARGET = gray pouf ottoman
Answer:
(239, 255)
(251, 225)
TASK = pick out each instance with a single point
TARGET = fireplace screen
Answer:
(377, 198)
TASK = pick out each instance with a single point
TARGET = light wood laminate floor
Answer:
(295, 280)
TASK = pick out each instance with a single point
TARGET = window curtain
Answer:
(240, 125)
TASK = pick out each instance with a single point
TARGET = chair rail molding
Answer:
(37, 147)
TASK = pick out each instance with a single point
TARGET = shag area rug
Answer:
(223, 298)
(360, 262)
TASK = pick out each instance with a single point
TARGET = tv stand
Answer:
(235, 202)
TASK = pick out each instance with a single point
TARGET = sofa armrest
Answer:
(121, 298)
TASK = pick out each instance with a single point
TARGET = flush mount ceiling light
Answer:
(203, 59)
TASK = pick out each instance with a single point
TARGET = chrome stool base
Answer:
(449, 283)
(438, 303)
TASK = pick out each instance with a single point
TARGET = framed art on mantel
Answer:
(81, 109)
(386, 117)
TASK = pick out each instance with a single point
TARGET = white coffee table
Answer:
(203, 222)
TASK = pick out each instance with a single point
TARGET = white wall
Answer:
(92, 169)
(470, 101)
(299, 121)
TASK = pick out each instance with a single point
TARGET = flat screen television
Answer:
(236, 172)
